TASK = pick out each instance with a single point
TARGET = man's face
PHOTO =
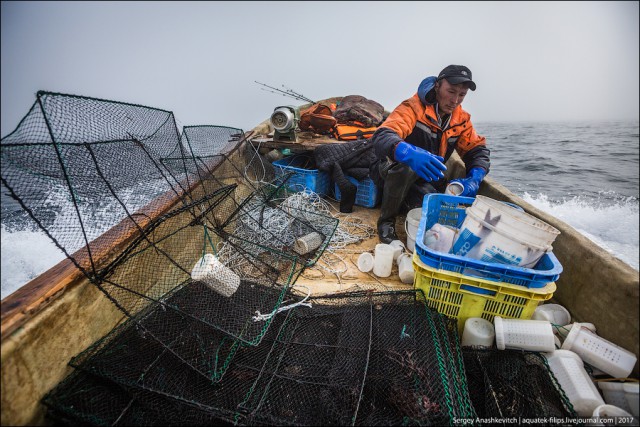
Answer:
(449, 96)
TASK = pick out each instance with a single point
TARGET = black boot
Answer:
(397, 180)
(387, 230)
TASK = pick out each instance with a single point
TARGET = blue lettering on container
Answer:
(465, 242)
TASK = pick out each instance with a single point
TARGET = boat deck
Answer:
(319, 280)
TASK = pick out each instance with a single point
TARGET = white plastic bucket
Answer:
(599, 352)
(479, 239)
(516, 222)
(405, 268)
(383, 260)
(478, 332)
(411, 224)
(554, 313)
(569, 370)
(518, 334)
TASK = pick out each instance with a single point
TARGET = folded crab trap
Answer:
(416, 373)
(155, 377)
(511, 384)
(362, 358)
(86, 399)
(358, 358)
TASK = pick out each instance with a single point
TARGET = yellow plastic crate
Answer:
(461, 297)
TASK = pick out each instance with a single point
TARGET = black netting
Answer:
(415, 376)
(214, 164)
(80, 166)
(134, 360)
(511, 384)
(356, 358)
(364, 358)
(86, 399)
(319, 372)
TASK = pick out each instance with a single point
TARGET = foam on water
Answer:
(614, 227)
(25, 255)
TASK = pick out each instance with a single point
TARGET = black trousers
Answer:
(402, 188)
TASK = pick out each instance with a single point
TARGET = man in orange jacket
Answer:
(416, 140)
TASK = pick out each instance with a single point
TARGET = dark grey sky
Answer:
(532, 61)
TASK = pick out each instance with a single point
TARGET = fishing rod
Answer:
(290, 93)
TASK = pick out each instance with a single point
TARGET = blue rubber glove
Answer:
(428, 166)
(472, 182)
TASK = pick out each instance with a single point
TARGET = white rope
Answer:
(258, 317)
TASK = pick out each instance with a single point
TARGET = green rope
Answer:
(207, 238)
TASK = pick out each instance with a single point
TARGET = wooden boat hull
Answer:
(60, 313)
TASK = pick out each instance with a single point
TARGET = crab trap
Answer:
(363, 358)
(416, 374)
(155, 377)
(218, 156)
(80, 167)
(512, 384)
(86, 399)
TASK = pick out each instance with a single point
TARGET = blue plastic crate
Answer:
(304, 176)
(451, 210)
(367, 194)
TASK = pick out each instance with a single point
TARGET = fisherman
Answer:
(417, 138)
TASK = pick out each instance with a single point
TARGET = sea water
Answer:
(586, 174)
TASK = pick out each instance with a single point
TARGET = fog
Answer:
(532, 61)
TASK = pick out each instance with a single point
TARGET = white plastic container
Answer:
(607, 415)
(478, 332)
(532, 335)
(439, 238)
(569, 370)
(516, 222)
(564, 330)
(614, 394)
(599, 352)
(479, 239)
(631, 393)
(405, 268)
(365, 262)
(218, 277)
(454, 189)
(495, 232)
(307, 243)
(554, 313)
(398, 248)
(411, 224)
(383, 260)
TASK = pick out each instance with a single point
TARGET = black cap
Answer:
(456, 74)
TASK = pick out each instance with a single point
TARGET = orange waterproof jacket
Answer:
(416, 123)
